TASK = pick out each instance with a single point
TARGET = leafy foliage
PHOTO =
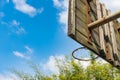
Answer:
(70, 69)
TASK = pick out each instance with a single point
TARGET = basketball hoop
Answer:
(82, 58)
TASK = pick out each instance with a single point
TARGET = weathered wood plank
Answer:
(104, 20)
(71, 18)
(84, 41)
(114, 44)
(118, 42)
(93, 17)
(77, 22)
(118, 39)
(81, 16)
(109, 55)
(101, 32)
(81, 6)
(81, 23)
(93, 11)
(80, 27)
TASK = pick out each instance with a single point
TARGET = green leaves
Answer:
(70, 69)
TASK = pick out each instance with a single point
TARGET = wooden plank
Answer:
(82, 31)
(93, 11)
(115, 51)
(81, 16)
(93, 8)
(114, 44)
(118, 42)
(95, 38)
(80, 22)
(83, 1)
(71, 18)
(101, 33)
(107, 36)
(118, 38)
(81, 6)
(81, 28)
(93, 17)
(84, 41)
(77, 22)
(104, 20)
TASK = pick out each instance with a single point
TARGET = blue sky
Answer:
(35, 30)
(32, 30)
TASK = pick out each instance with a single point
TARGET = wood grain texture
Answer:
(78, 25)
(101, 32)
(114, 42)
(71, 18)
(102, 36)
(109, 53)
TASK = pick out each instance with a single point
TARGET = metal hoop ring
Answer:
(81, 58)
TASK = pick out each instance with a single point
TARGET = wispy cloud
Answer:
(20, 30)
(14, 27)
(25, 54)
(40, 10)
(8, 76)
(22, 6)
(15, 23)
(62, 5)
(57, 3)
(29, 50)
(20, 54)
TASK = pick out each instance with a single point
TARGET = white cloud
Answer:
(57, 3)
(40, 10)
(20, 30)
(14, 27)
(62, 5)
(15, 23)
(83, 63)
(22, 6)
(29, 50)
(51, 65)
(26, 54)
(20, 54)
(63, 17)
(8, 76)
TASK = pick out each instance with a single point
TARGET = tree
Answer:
(70, 69)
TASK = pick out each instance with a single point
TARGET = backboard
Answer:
(103, 40)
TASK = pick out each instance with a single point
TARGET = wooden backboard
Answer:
(103, 40)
